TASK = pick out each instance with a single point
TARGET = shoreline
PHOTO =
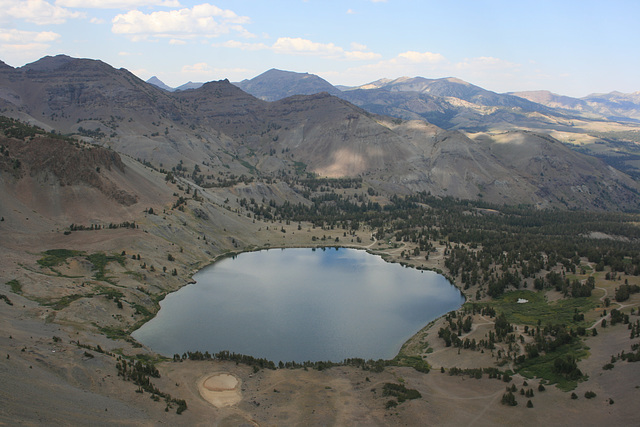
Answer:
(367, 249)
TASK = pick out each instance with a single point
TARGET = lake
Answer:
(300, 305)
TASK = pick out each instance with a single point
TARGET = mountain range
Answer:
(614, 105)
(274, 85)
(220, 132)
(602, 125)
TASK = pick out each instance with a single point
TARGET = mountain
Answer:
(615, 106)
(189, 85)
(219, 133)
(449, 88)
(451, 103)
(105, 105)
(553, 100)
(275, 84)
(159, 83)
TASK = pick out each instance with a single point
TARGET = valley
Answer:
(123, 191)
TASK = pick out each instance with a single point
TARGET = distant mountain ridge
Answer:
(601, 125)
(435, 100)
(274, 85)
(613, 106)
(228, 132)
(160, 84)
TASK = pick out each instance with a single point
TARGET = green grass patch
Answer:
(100, 261)
(587, 268)
(252, 169)
(415, 362)
(158, 297)
(114, 333)
(108, 292)
(136, 275)
(543, 365)
(537, 309)
(400, 392)
(300, 167)
(141, 309)
(63, 302)
(54, 257)
(151, 359)
(16, 286)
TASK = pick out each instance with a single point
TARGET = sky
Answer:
(569, 47)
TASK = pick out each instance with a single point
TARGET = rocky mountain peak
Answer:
(275, 84)
(49, 63)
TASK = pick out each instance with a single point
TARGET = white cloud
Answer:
(97, 21)
(37, 12)
(350, 12)
(420, 57)
(408, 63)
(234, 44)
(177, 42)
(199, 68)
(300, 46)
(358, 46)
(361, 56)
(18, 36)
(21, 46)
(488, 72)
(116, 4)
(428, 64)
(202, 20)
(202, 71)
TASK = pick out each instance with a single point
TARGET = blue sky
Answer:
(569, 47)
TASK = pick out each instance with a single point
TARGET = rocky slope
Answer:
(602, 125)
(221, 132)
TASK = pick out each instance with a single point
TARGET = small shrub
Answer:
(400, 392)
(390, 404)
(509, 399)
(15, 285)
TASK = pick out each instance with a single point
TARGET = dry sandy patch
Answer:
(220, 389)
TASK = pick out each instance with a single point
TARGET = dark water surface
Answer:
(300, 305)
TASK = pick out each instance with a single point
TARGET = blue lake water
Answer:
(300, 305)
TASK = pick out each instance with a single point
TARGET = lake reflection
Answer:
(299, 305)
